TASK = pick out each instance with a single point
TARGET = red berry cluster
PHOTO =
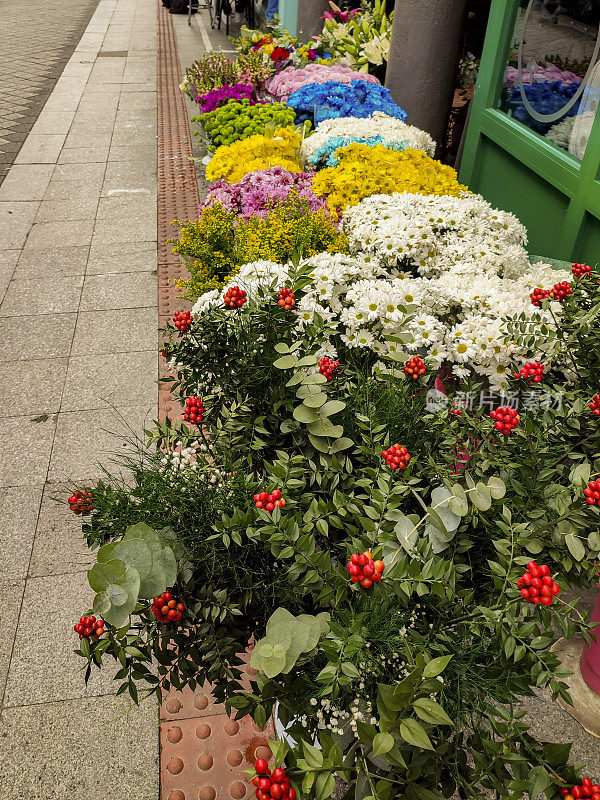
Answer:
(558, 292)
(269, 501)
(327, 367)
(89, 626)
(397, 456)
(81, 502)
(272, 785)
(414, 368)
(537, 585)
(183, 321)
(595, 405)
(531, 372)
(235, 297)
(579, 270)
(194, 410)
(364, 570)
(584, 789)
(166, 609)
(506, 419)
(287, 299)
(592, 492)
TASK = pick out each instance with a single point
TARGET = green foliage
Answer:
(287, 638)
(140, 565)
(413, 686)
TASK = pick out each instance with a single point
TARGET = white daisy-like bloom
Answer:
(449, 271)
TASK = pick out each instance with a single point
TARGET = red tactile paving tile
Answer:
(204, 758)
(203, 752)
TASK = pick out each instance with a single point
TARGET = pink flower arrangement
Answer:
(538, 74)
(222, 95)
(259, 190)
(341, 16)
(289, 80)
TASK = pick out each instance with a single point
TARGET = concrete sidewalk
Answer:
(78, 325)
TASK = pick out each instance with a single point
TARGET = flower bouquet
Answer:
(360, 38)
(278, 48)
(320, 101)
(378, 128)
(221, 96)
(288, 80)
(214, 71)
(240, 119)
(256, 152)
(258, 192)
(363, 170)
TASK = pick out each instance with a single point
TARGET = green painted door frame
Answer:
(556, 195)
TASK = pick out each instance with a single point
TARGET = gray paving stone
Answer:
(117, 378)
(33, 677)
(25, 448)
(54, 263)
(59, 545)
(47, 336)
(84, 439)
(67, 210)
(60, 234)
(73, 190)
(42, 296)
(16, 220)
(109, 230)
(53, 122)
(125, 257)
(11, 594)
(119, 290)
(26, 182)
(117, 744)
(34, 388)
(118, 331)
(41, 149)
(19, 508)
(83, 155)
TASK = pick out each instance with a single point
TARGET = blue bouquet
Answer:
(546, 97)
(319, 101)
(326, 154)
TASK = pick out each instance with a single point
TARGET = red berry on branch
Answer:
(579, 270)
(505, 419)
(269, 501)
(595, 405)
(193, 410)
(88, 627)
(414, 368)
(183, 321)
(328, 367)
(537, 585)
(592, 492)
(286, 299)
(397, 457)
(532, 372)
(81, 502)
(166, 608)
(261, 766)
(235, 297)
(364, 570)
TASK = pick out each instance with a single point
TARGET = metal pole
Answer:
(423, 60)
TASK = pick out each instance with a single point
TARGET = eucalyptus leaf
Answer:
(285, 362)
(304, 414)
(102, 575)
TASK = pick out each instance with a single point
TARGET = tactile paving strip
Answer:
(203, 752)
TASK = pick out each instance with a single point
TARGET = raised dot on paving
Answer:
(205, 761)
(207, 793)
(231, 727)
(174, 734)
(237, 790)
(175, 766)
(203, 730)
(234, 758)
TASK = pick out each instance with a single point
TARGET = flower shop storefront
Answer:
(533, 140)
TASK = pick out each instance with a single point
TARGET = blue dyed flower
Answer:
(319, 101)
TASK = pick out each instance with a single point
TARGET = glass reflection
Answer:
(552, 80)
